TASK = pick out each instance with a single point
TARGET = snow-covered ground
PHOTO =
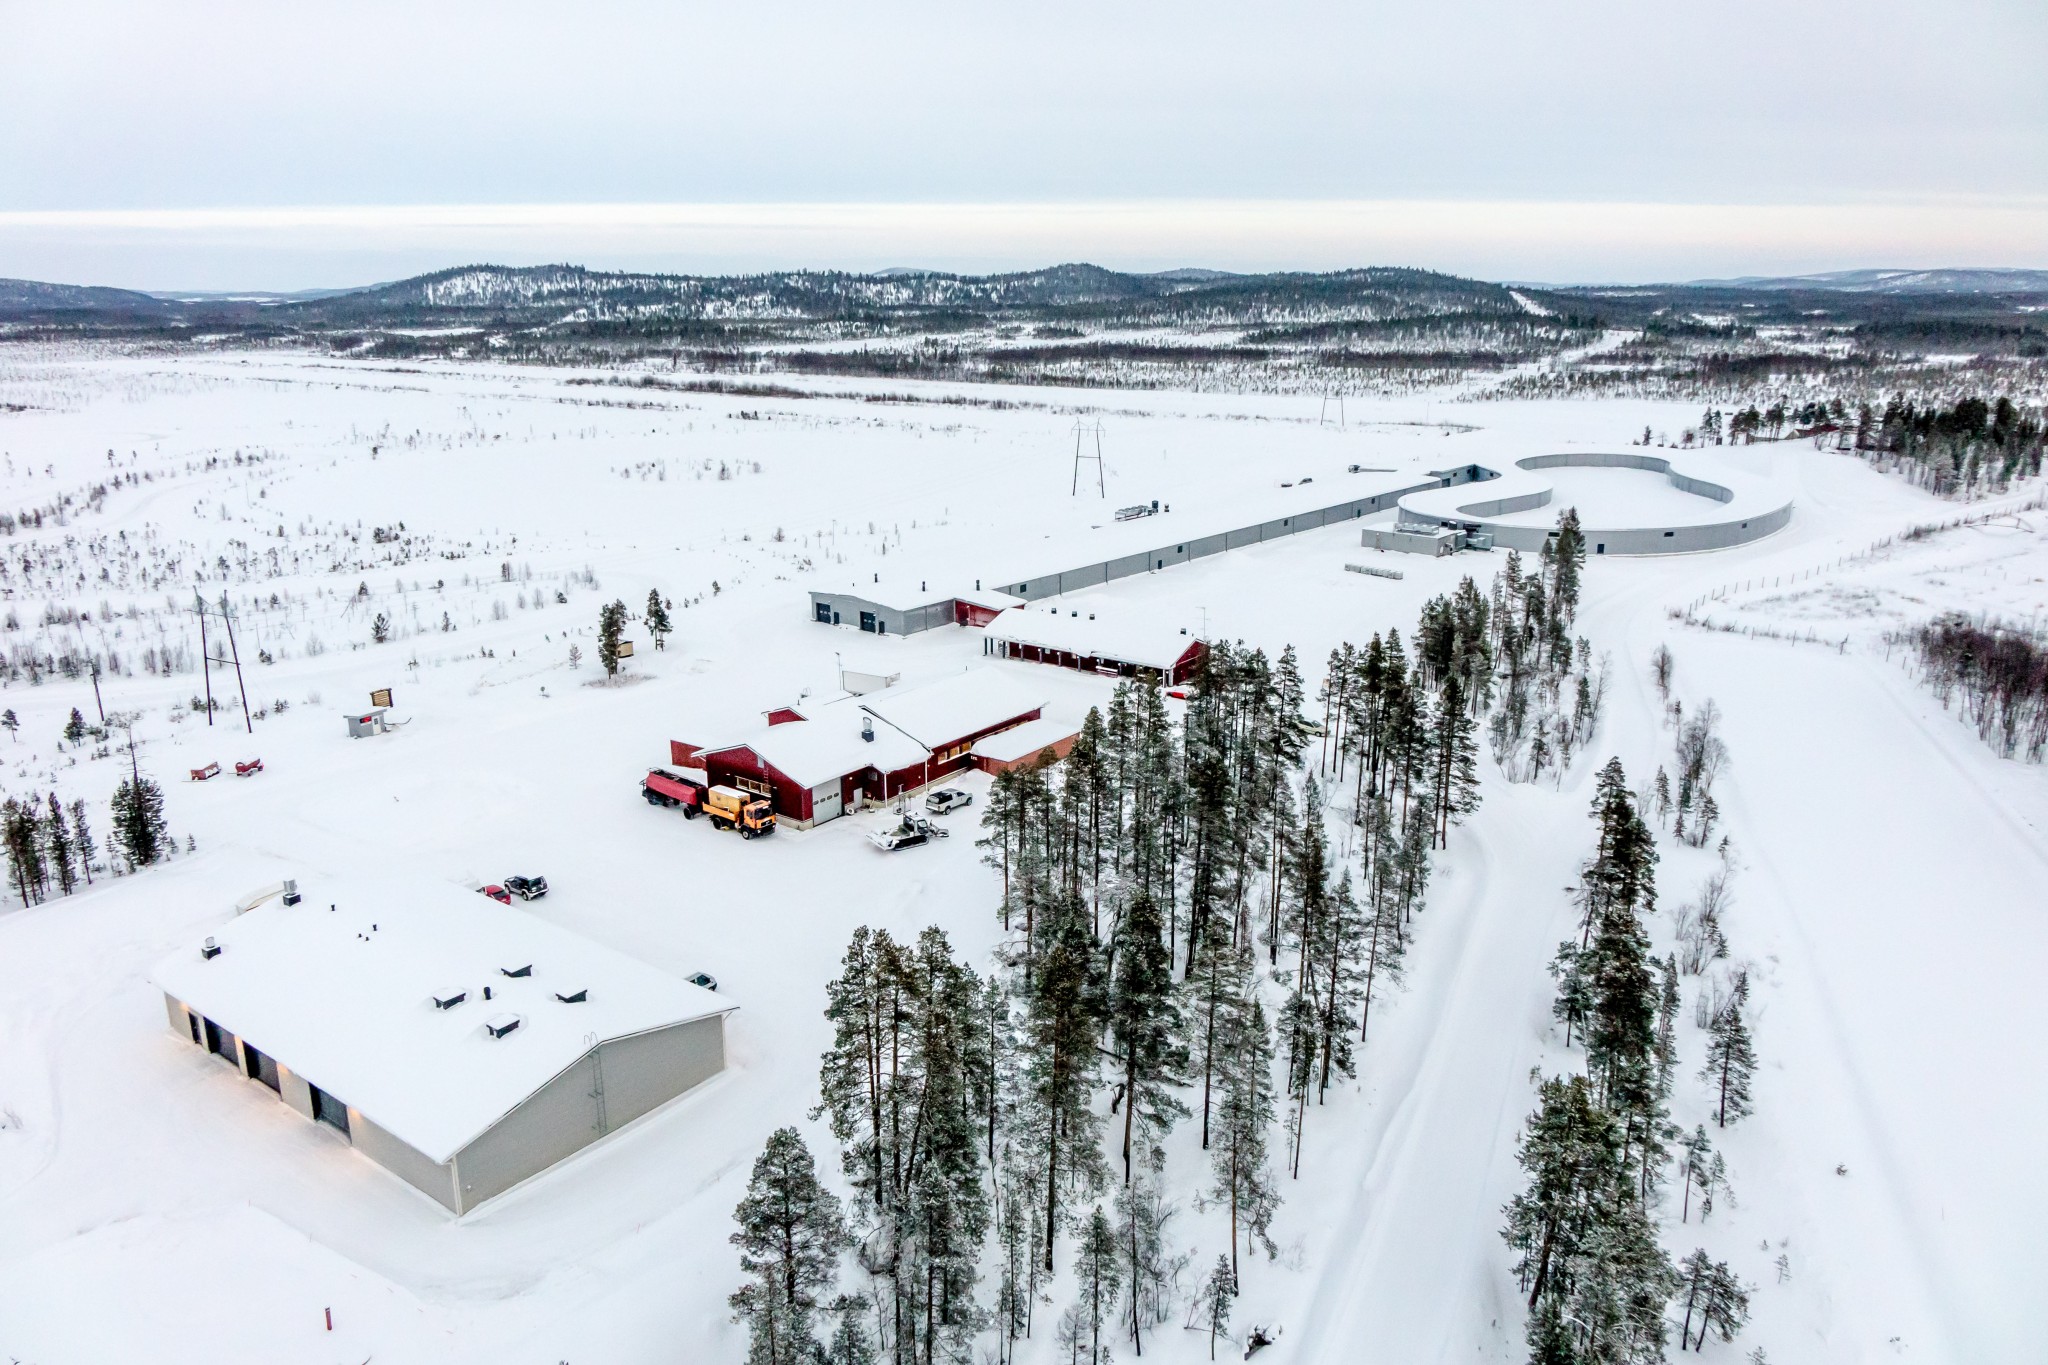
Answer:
(155, 1206)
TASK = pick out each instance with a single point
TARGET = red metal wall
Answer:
(790, 798)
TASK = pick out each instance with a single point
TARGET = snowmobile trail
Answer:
(1420, 1227)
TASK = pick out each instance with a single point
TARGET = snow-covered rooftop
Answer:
(828, 744)
(907, 723)
(950, 709)
(344, 998)
(1026, 740)
(906, 590)
(1095, 631)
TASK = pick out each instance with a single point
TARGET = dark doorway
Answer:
(824, 613)
(328, 1109)
(219, 1041)
(260, 1066)
(192, 1022)
(867, 622)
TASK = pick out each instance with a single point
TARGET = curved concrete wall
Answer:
(1759, 517)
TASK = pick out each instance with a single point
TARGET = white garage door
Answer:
(825, 803)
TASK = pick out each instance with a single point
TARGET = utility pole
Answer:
(228, 619)
(1101, 484)
(98, 705)
(205, 659)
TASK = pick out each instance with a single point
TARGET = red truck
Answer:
(664, 788)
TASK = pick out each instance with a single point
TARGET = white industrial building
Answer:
(461, 1044)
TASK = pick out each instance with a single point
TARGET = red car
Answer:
(498, 894)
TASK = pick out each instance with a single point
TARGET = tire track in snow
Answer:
(1417, 1243)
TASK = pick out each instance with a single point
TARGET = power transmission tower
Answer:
(228, 619)
(1081, 430)
(234, 660)
(205, 657)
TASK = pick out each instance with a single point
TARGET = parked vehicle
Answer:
(247, 766)
(527, 888)
(210, 770)
(947, 798)
(664, 788)
(731, 808)
(498, 894)
(704, 979)
(911, 831)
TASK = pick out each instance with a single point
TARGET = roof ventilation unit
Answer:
(867, 729)
(575, 998)
(210, 951)
(501, 1024)
(449, 1002)
(527, 970)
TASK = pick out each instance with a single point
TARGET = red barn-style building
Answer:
(1095, 639)
(817, 763)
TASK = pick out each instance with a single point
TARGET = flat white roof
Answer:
(1095, 630)
(950, 709)
(905, 591)
(1026, 740)
(344, 998)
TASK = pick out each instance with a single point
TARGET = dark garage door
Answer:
(328, 1109)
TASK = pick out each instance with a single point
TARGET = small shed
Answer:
(370, 722)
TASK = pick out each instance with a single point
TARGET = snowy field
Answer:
(155, 1206)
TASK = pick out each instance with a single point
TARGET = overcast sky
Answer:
(1579, 139)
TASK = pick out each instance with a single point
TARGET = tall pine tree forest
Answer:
(1199, 906)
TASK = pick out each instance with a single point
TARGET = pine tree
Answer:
(1699, 1153)
(851, 1344)
(1730, 1058)
(74, 728)
(1098, 1269)
(1217, 1292)
(1238, 1157)
(380, 629)
(657, 619)
(1719, 1297)
(81, 834)
(1570, 1152)
(140, 831)
(1574, 994)
(21, 832)
(1145, 1025)
(11, 723)
(59, 850)
(1725, 1306)
(791, 1231)
(1063, 1018)
(611, 626)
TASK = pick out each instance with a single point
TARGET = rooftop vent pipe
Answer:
(211, 950)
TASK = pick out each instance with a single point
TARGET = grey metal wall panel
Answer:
(563, 1117)
(408, 1163)
(180, 1021)
(644, 1072)
(556, 1120)
(1203, 546)
(1128, 565)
